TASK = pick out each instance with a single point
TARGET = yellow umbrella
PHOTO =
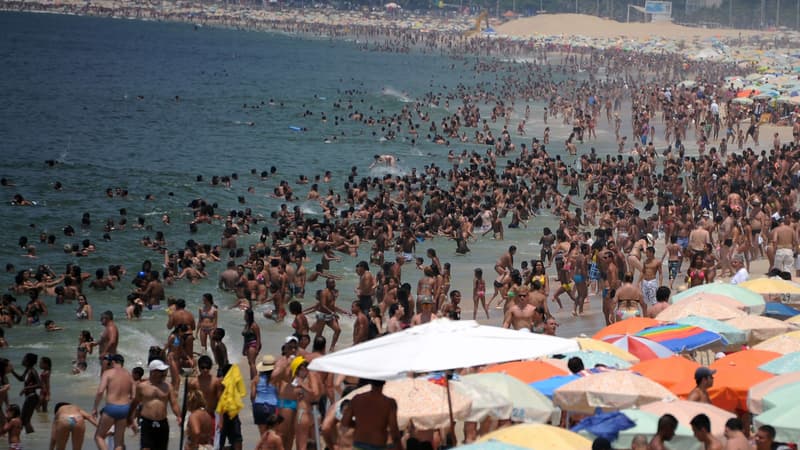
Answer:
(601, 346)
(699, 308)
(771, 286)
(761, 328)
(539, 437)
(783, 344)
(609, 391)
(795, 320)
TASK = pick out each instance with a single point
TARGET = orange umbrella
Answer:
(627, 326)
(527, 371)
(736, 373)
(667, 371)
(747, 92)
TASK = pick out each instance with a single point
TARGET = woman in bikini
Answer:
(208, 320)
(307, 389)
(696, 275)
(85, 346)
(252, 341)
(69, 421)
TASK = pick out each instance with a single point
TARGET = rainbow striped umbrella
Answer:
(643, 348)
(681, 338)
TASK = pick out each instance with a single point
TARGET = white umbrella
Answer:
(439, 345)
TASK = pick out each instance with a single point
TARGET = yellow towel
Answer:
(230, 402)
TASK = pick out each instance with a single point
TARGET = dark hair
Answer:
(667, 420)
(663, 293)
(701, 422)
(734, 424)
(769, 429)
(204, 362)
(575, 364)
(58, 406)
(295, 307)
(319, 344)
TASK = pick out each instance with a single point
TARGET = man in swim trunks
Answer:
(117, 385)
(154, 395)
(650, 267)
(374, 417)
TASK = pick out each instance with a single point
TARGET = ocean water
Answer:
(99, 97)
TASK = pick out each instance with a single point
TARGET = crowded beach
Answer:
(657, 314)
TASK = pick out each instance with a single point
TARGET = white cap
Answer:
(289, 339)
(719, 355)
(157, 364)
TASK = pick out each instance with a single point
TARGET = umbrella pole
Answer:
(183, 408)
(451, 435)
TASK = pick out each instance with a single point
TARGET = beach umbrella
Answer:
(719, 299)
(628, 326)
(606, 425)
(784, 364)
(529, 405)
(795, 320)
(548, 386)
(422, 402)
(753, 303)
(701, 308)
(527, 371)
(771, 286)
(785, 422)
(593, 358)
(761, 328)
(642, 348)
(681, 338)
(782, 397)
(783, 344)
(783, 99)
(755, 397)
(601, 346)
(538, 437)
(612, 390)
(667, 371)
(646, 424)
(780, 311)
(795, 100)
(736, 373)
(733, 335)
(484, 404)
(489, 445)
(441, 344)
(685, 410)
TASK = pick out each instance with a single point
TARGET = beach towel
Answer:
(230, 402)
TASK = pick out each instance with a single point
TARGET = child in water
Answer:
(13, 427)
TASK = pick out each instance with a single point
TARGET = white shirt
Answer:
(740, 277)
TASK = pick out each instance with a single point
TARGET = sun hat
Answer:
(267, 363)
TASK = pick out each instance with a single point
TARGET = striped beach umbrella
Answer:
(681, 338)
(643, 348)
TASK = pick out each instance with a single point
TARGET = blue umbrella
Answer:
(731, 334)
(605, 425)
(549, 385)
(681, 338)
(778, 310)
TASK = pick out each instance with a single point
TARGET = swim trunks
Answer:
(649, 288)
(364, 446)
(325, 317)
(154, 433)
(117, 412)
(674, 268)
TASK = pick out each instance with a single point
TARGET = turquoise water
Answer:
(99, 96)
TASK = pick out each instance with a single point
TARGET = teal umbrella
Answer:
(733, 335)
(754, 302)
(782, 397)
(592, 358)
(789, 362)
(784, 419)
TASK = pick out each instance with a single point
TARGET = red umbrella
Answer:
(642, 348)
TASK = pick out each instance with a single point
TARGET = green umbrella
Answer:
(733, 335)
(754, 302)
(784, 419)
(592, 358)
(529, 405)
(782, 397)
(789, 362)
(647, 425)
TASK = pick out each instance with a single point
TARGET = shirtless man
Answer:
(698, 239)
(506, 261)
(182, 317)
(662, 302)
(229, 277)
(374, 417)
(385, 160)
(667, 425)
(360, 325)
(674, 255)
(628, 301)
(153, 395)
(704, 379)
(117, 385)
(426, 313)
(520, 315)
(326, 312)
(734, 435)
(207, 383)
(650, 268)
(109, 339)
(701, 427)
(611, 284)
(366, 286)
(785, 241)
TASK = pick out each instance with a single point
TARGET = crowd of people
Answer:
(716, 211)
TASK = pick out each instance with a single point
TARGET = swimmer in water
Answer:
(385, 160)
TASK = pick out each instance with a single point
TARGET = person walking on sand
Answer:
(118, 386)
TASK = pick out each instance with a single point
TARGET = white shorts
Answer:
(784, 259)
